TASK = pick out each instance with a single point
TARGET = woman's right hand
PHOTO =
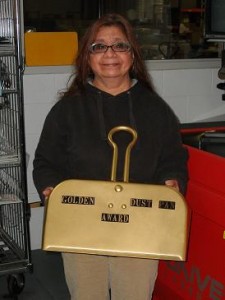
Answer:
(46, 192)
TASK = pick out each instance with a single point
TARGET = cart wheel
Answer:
(16, 283)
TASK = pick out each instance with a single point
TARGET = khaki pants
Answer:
(89, 277)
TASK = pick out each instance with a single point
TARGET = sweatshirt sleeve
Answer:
(173, 155)
(49, 165)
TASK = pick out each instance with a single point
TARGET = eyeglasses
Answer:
(117, 47)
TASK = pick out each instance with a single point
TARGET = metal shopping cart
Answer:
(14, 210)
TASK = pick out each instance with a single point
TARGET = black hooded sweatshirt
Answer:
(73, 143)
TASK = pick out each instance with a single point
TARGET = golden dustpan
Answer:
(117, 218)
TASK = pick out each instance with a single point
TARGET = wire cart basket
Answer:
(15, 258)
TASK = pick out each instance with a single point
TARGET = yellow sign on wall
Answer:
(50, 48)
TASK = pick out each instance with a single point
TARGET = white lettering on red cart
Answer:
(118, 218)
(197, 285)
(82, 200)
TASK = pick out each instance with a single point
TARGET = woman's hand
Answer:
(172, 183)
(46, 192)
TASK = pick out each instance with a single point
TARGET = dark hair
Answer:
(82, 72)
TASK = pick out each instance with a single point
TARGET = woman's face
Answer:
(110, 64)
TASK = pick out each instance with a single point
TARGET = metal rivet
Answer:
(110, 205)
(118, 188)
(123, 206)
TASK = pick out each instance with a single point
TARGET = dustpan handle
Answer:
(127, 154)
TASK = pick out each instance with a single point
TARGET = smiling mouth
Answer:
(110, 65)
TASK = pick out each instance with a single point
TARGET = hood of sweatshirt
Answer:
(103, 100)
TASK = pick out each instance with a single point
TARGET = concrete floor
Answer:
(47, 282)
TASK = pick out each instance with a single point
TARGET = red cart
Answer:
(202, 276)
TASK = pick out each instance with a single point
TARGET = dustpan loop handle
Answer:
(127, 154)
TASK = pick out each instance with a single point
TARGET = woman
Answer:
(111, 88)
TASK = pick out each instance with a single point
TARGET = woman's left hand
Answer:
(172, 183)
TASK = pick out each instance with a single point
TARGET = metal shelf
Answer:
(14, 211)
(9, 199)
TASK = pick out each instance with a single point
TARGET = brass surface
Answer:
(117, 218)
(152, 232)
(115, 151)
